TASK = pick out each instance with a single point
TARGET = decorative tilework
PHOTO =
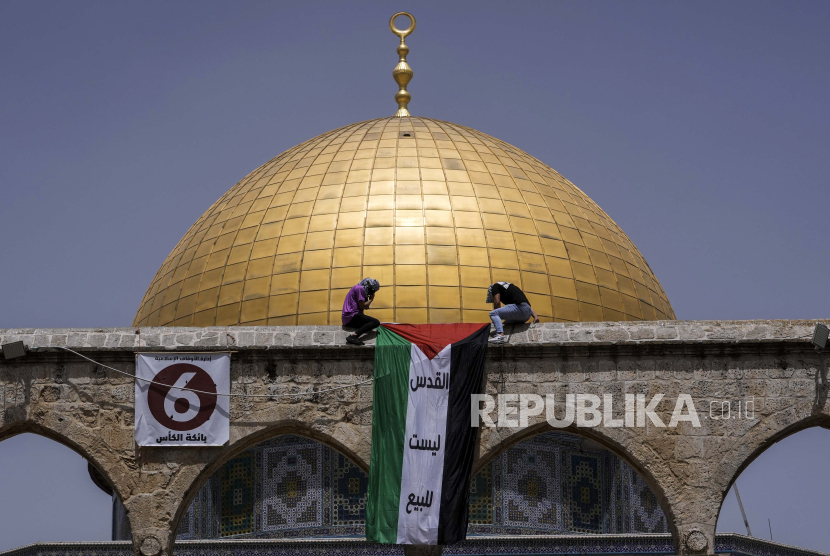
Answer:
(601, 477)
(531, 495)
(292, 487)
(302, 489)
(110, 548)
(481, 497)
(655, 543)
(237, 495)
(613, 493)
(563, 544)
(741, 545)
(199, 521)
(186, 526)
(349, 497)
(646, 515)
(582, 492)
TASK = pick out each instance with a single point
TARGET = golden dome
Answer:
(435, 211)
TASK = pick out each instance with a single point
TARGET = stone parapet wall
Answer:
(278, 337)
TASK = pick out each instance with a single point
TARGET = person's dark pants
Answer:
(364, 323)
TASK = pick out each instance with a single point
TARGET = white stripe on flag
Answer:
(423, 466)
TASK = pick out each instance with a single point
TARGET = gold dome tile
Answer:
(434, 211)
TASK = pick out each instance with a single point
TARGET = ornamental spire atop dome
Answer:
(435, 211)
(402, 72)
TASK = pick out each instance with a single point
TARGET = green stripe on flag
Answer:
(393, 357)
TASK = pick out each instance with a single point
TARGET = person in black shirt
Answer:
(516, 308)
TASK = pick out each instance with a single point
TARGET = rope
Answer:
(214, 393)
(257, 395)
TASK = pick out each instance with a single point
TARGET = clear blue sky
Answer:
(701, 128)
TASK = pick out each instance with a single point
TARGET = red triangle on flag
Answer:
(432, 338)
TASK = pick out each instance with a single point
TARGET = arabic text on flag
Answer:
(422, 442)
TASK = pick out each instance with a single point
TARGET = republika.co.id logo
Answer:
(182, 410)
(591, 410)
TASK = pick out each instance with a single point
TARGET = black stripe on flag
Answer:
(466, 378)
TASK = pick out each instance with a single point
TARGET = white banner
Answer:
(422, 474)
(165, 415)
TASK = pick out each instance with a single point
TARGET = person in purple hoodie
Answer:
(358, 299)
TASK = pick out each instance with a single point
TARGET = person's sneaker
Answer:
(352, 339)
(498, 339)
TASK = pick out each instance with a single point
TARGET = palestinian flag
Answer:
(422, 441)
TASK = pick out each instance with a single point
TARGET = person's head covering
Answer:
(490, 293)
(370, 285)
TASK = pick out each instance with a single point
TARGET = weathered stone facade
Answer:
(90, 409)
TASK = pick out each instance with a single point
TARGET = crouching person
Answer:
(359, 299)
(516, 308)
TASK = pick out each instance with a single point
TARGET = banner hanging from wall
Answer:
(166, 415)
(422, 442)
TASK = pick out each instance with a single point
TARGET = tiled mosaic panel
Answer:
(433, 210)
(646, 515)
(660, 543)
(292, 487)
(349, 493)
(201, 520)
(300, 489)
(481, 497)
(614, 494)
(592, 490)
(582, 492)
(530, 479)
(237, 496)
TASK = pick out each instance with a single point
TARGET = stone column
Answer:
(149, 540)
(164, 478)
(150, 524)
(697, 539)
(695, 510)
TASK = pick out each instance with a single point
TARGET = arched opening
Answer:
(558, 483)
(552, 483)
(784, 492)
(49, 494)
(288, 486)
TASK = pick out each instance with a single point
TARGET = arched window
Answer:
(560, 482)
(294, 487)
(289, 486)
(784, 493)
(46, 494)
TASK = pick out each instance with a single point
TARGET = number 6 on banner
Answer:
(182, 410)
(181, 405)
(181, 399)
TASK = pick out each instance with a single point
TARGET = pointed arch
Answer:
(92, 452)
(750, 447)
(245, 443)
(623, 443)
(100, 469)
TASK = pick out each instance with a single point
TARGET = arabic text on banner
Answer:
(165, 415)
